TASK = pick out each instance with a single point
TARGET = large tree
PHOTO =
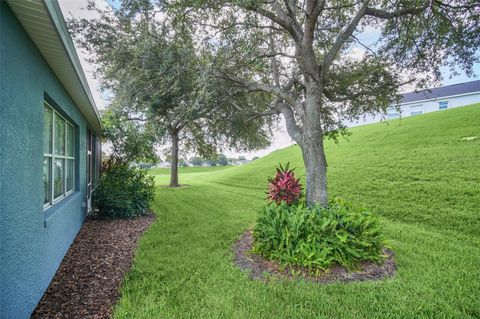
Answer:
(302, 55)
(158, 77)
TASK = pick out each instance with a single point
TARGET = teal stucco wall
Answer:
(33, 241)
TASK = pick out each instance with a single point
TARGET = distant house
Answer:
(49, 150)
(164, 165)
(426, 101)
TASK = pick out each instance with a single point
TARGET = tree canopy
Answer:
(159, 77)
(222, 71)
(309, 58)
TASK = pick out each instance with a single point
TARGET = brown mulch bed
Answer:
(262, 269)
(87, 282)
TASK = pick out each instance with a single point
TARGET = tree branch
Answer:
(280, 18)
(292, 127)
(363, 45)
(255, 87)
(351, 96)
(271, 55)
(256, 115)
(447, 5)
(312, 12)
(137, 119)
(382, 14)
(332, 53)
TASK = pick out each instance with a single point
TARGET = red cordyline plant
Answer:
(284, 187)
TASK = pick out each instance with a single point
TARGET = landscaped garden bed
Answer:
(87, 282)
(263, 269)
(336, 242)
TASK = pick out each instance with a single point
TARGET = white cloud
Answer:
(77, 9)
(356, 54)
(280, 139)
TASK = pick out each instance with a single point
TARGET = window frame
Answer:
(445, 103)
(393, 113)
(65, 157)
(420, 112)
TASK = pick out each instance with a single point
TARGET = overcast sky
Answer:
(280, 139)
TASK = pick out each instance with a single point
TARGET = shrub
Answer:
(317, 237)
(284, 187)
(123, 192)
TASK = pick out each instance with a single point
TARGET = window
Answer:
(392, 112)
(443, 105)
(58, 156)
(416, 109)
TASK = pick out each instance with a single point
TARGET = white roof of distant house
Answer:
(441, 92)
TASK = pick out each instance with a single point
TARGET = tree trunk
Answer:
(312, 148)
(174, 167)
(315, 170)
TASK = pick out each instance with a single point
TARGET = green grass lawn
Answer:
(417, 173)
(186, 170)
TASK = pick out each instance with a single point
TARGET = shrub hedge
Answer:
(123, 192)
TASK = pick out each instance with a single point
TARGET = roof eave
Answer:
(43, 19)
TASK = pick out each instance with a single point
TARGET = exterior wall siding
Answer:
(33, 241)
(427, 106)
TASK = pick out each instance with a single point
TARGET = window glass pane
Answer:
(393, 115)
(89, 168)
(58, 177)
(59, 135)
(70, 172)
(416, 109)
(47, 129)
(47, 183)
(70, 140)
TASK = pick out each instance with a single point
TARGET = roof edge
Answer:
(58, 20)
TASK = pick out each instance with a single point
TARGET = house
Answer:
(426, 101)
(49, 150)
(164, 165)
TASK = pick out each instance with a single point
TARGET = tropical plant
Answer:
(318, 237)
(284, 187)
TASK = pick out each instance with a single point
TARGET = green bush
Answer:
(317, 237)
(123, 192)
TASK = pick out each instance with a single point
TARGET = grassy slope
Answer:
(416, 173)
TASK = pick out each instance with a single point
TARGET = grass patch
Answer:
(416, 173)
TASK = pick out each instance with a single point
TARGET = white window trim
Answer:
(54, 200)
